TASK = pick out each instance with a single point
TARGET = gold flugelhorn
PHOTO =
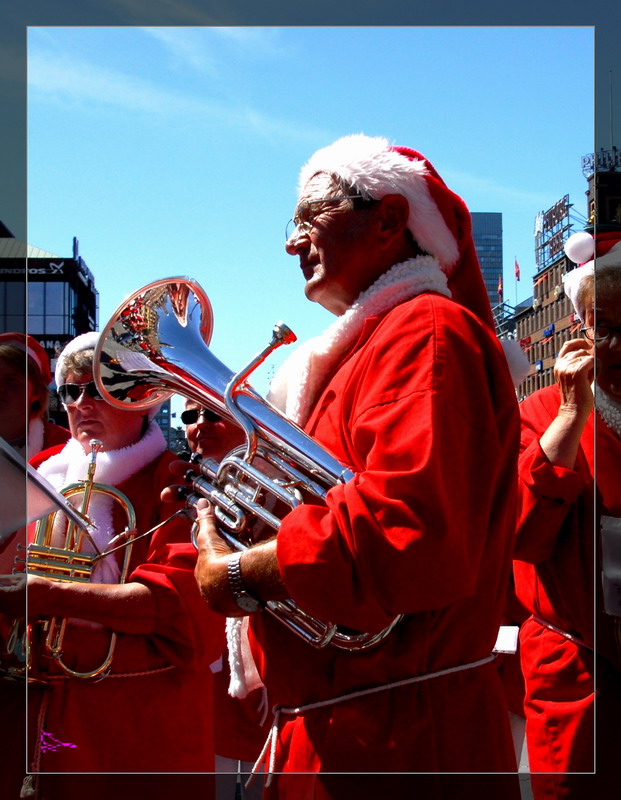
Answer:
(156, 344)
(71, 562)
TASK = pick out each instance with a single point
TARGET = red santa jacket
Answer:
(154, 712)
(423, 410)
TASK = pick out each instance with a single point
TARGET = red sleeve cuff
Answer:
(185, 627)
(546, 480)
(546, 496)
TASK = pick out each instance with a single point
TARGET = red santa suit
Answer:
(416, 399)
(153, 712)
(558, 561)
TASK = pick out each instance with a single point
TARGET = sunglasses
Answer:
(70, 393)
(191, 415)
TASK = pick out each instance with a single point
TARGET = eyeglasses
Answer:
(599, 333)
(191, 415)
(304, 217)
(70, 393)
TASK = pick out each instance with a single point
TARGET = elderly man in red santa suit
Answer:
(569, 477)
(151, 709)
(410, 389)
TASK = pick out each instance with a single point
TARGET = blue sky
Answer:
(176, 151)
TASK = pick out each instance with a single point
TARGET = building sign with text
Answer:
(552, 229)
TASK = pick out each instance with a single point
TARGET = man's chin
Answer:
(84, 436)
(317, 291)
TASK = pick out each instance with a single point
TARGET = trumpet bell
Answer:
(165, 323)
(156, 344)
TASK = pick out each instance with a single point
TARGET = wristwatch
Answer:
(242, 596)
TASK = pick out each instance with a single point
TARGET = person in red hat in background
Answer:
(24, 395)
(410, 389)
(570, 504)
(241, 724)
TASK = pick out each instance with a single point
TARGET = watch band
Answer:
(241, 595)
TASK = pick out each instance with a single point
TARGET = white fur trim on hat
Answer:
(581, 248)
(572, 281)
(375, 170)
(85, 341)
(519, 365)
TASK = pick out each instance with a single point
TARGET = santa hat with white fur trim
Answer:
(33, 349)
(439, 220)
(584, 250)
(376, 169)
(85, 341)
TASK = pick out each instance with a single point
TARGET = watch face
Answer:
(244, 600)
(247, 603)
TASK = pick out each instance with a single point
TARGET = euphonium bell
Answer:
(156, 344)
(68, 560)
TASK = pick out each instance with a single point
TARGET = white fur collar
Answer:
(29, 445)
(299, 381)
(113, 467)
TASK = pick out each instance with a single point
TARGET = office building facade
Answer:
(487, 235)
(53, 298)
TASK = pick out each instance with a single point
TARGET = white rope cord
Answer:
(270, 744)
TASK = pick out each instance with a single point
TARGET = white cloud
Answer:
(61, 78)
(495, 192)
(186, 45)
(202, 47)
(261, 40)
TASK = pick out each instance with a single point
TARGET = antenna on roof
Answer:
(612, 141)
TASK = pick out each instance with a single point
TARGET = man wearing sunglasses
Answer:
(240, 725)
(410, 389)
(207, 433)
(152, 711)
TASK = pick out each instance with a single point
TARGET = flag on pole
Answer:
(500, 288)
(517, 270)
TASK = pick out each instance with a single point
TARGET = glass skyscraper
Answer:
(487, 234)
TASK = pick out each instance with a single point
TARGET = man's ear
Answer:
(394, 211)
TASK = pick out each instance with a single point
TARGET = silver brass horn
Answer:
(156, 344)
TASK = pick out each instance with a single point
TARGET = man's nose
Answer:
(298, 240)
(84, 399)
(614, 339)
